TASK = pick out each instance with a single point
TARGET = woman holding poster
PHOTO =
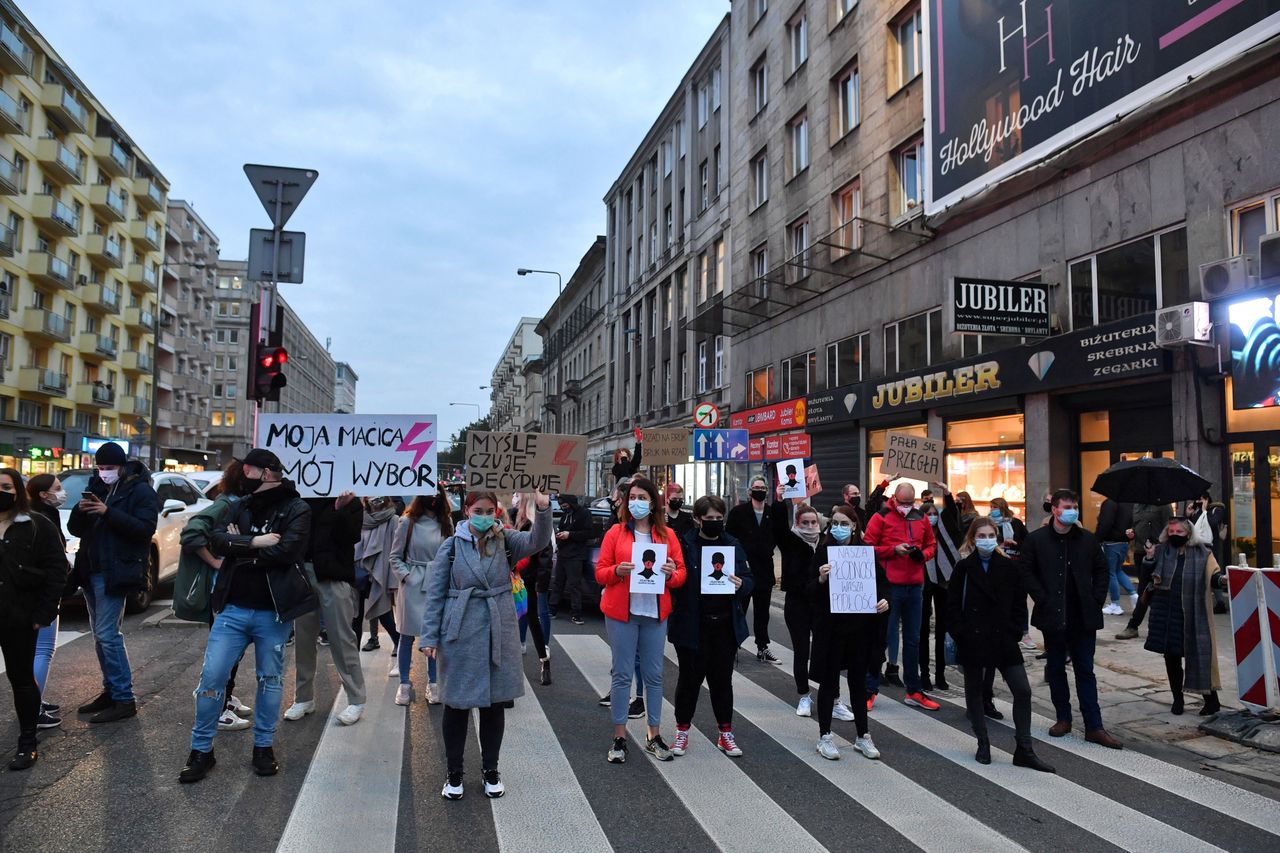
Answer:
(986, 608)
(844, 640)
(636, 621)
(707, 623)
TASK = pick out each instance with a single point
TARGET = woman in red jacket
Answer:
(637, 622)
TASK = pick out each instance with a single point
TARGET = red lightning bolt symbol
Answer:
(562, 458)
(420, 447)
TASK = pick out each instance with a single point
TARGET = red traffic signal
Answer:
(267, 377)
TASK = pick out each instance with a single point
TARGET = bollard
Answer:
(1255, 627)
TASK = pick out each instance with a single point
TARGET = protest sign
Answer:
(525, 461)
(666, 446)
(811, 482)
(647, 575)
(717, 569)
(915, 456)
(791, 476)
(852, 582)
(370, 455)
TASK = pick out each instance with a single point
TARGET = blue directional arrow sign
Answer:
(720, 445)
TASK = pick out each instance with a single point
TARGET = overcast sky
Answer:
(455, 142)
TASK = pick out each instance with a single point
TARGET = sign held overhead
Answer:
(914, 455)
(525, 461)
(666, 446)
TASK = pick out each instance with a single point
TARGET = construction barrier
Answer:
(1255, 627)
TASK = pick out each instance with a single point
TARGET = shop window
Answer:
(913, 343)
(875, 455)
(1095, 427)
(1130, 279)
(849, 360)
(799, 375)
(985, 432)
(990, 474)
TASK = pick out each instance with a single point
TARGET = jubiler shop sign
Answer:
(987, 306)
(1124, 349)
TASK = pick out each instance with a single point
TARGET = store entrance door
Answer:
(1254, 501)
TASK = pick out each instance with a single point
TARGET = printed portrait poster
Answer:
(647, 575)
(791, 476)
(717, 569)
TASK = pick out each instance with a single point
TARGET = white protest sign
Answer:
(371, 455)
(647, 575)
(906, 454)
(717, 569)
(852, 582)
(791, 476)
(524, 461)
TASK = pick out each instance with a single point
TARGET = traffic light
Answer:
(268, 378)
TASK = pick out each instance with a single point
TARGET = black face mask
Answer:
(1177, 541)
(759, 494)
(855, 501)
(7, 500)
(713, 528)
(1048, 506)
(675, 504)
(249, 485)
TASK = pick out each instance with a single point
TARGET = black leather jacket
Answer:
(277, 510)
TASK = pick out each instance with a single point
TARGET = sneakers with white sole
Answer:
(239, 707)
(230, 721)
(452, 787)
(433, 694)
(351, 715)
(728, 745)
(298, 710)
(827, 747)
(681, 743)
(404, 694)
(1112, 609)
(840, 711)
(394, 672)
(493, 787)
(866, 747)
(804, 708)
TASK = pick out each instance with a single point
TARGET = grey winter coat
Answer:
(412, 567)
(471, 617)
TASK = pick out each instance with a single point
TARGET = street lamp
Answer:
(155, 357)
(477, 407)
(559, 293)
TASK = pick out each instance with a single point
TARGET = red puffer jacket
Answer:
(615, 598)
(889, 528)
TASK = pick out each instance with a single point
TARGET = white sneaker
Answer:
(351, 715)
(804, 708)
(433, 694)
(1112, 609)
(1133, 600)
(394, 672)
(404, 694)
(841, 712)
(1027, 644)
(230, 721)
(493, 787)
(524, 648)
(866, 747)
(827, 748)
(452, 787)
(239, 707)
(298, 710)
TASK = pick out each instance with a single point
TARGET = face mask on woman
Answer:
(1177, 540)
(7, 500)
(985, 545)
(638, 509)
(759, 494)
(997, 516)
(482, 523)
(933, 519)
(841, 532)
(712, 528)
(109, 476)
(56, 499)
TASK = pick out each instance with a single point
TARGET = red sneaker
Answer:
(919, 700)
(871, 701)
(728, 745)
(681, 743)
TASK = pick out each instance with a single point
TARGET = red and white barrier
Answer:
(1255, 626)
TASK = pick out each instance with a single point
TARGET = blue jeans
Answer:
(637, 646)
(544, 618)
(1079, 643)
(106, 615)
(891, 636)
(46, 642)
(905, 603)
(1115, 553)
(232, 632)
(405, 652)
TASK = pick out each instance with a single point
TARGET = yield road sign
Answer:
(706, 415)
(291, 184)
(720, 445)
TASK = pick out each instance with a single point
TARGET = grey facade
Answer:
(514, 403)
(344, 388)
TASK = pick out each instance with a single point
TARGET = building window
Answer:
(908, 44)
(1134, 278)
(913, 343)
(715, 90)
(846, 207)
(682, 281)
(702, 107)
(216, 419)
(704, 273)
(849, 360)
(759, 7)
(684, 375)
(719, 170)
(798, 41)
(908, 163)
(717, 286)
(797, 249)
(760, 262)
(653, 243)
(842, 8)
(722, 361)
(760, 83)
(671, 226)
(702, 367)
(759, 386)
(760, 179)
(1253, 220)
(846, 106)
(229, 419)
(799, 375)
(798, 143)
(704, 179)
(666, 159)
(680, 138)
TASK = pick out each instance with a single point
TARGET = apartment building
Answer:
(81, 238)
(344, 388)
(514, 403)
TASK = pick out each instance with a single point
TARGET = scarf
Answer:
(1192, 608)
(374, 555)
(810, 538)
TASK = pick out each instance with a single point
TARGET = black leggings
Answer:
(1173, 668)
(976, 696)
(935, 602)
(387, 620)
(841, 651)
(454, 728)
(798, 613)
(712, 661)
(532, 623)
(19, 648)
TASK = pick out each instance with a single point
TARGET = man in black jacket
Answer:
(573, 549)
(751, 523)
(1066, 576)
(261, 588)
(115, 520)
(331, 569)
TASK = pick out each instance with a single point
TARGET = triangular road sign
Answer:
(294, 184)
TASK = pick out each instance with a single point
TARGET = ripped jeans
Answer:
(233, 630)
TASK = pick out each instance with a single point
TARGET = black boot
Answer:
(264, 761)
(545, 677)
(891, 675)
(989, 710)
(117, 712)
(1173, 668)
(101, 703)
(198, 766)
(26, 754)
(1211, 704)
(1026, 757)
(983, 755)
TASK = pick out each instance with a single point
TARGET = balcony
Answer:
(139, 320)
(107, 203)
(112, 159)
(62, 106)
(95, 394)
(146, 236)
(134, 405)
(165, 379)
(148, 194)
(95, 346)
(61, 165)
(11, 117)
(105, 250)
(41, 380)
(15, 56)
(100, 299)
(7, 241)
(11, 182)
(49, 269)
(573, 389)
(142, 278)
(59, 218)
(133, 361)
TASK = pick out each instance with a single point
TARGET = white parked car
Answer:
(180, 498)
(206, 481)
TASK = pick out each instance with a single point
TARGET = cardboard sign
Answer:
(717, 569)
(666, 446)
(791, 476)
(647, 575)
(371, 455)
(852, 582)
(915, 456)
(525, 461)
(811, 481)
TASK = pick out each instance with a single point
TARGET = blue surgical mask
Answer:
(841, 533)
(638, 509)
(997, 516)
(985, 546)
(482, 523)
(1069, 516)
(933, 519)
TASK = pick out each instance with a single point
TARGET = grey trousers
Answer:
(337, 604)
(1016, 678)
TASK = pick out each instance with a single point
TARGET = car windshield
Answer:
(75, 483)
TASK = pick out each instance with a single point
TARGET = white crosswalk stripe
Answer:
(61, 640)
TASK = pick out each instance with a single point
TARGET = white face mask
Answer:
(109, 477)
(56, 499)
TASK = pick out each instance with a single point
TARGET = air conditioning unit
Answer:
(1227, 277)
(82, 280)
(1269, 259)
(1179, 325)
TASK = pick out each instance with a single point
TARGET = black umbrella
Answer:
(1150, 481)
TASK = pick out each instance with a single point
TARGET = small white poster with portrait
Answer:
(791, 477)
(647, 576)
(718, 569)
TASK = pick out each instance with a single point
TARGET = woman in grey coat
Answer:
(470, 622)
(419, 533)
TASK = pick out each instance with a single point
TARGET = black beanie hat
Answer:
(110, 454)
